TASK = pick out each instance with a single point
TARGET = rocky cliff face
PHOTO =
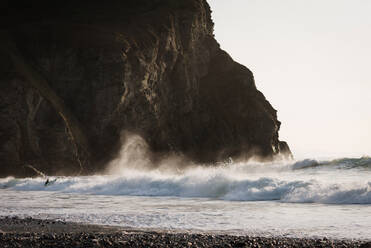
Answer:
(73, 77)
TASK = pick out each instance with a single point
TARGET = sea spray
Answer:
(136, 155)
(326, 182)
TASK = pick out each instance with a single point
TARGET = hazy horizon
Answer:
(310, 59)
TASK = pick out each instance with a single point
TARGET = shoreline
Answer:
(30, 232)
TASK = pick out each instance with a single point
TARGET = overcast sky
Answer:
(311, 59)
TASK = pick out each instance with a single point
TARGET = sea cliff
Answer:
(75, 75)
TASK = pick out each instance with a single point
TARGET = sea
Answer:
(304, 198)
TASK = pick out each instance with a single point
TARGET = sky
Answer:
(311, 59)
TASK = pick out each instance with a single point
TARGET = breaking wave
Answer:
(343, 163)
(341, 182)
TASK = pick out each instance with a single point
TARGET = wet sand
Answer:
(29, 232)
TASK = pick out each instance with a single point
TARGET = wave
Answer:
(239, 182)
(343, 163)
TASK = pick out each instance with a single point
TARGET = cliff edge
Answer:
(74, 75)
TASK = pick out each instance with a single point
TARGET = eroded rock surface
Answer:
(151, 67)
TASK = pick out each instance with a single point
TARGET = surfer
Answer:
(47, 182)
(50, 182)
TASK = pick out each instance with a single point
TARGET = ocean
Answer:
(307, 198)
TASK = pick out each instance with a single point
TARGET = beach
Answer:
(30, 232)
(307, 202)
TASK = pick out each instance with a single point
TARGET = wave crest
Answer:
(204, 183)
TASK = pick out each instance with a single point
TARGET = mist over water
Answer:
(136, 155)
(303, 198)
(343, 181)
(297, 199)
(339, 181)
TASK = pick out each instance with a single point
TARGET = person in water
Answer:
(50, 182)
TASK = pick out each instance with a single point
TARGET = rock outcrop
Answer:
(74, 76)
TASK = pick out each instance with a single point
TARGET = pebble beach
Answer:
(30, 232)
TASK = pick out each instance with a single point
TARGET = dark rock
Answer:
(151, 67)
(366, 245)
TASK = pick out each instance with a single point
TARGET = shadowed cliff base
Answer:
(151, 67)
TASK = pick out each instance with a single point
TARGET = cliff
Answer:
(73, 76)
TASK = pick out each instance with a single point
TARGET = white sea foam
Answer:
(298, 199)
(307, 181)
